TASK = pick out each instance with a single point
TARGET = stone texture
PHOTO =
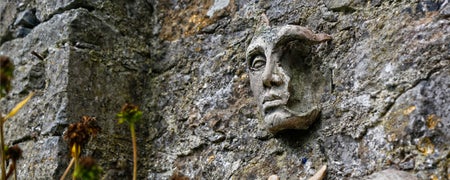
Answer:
(391, 174)
(388, 106)
(7, 12)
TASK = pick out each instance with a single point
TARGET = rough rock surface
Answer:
(183, 62)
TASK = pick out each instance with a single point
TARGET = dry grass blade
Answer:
(18, 107)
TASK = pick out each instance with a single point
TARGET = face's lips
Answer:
(271, 101)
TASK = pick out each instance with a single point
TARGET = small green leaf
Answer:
(130, 113)
(88, 169)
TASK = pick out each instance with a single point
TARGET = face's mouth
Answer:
(271, 102)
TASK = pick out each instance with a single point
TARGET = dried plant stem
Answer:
(67, 169)
(12, 169)
(37, 55)
(133, 139)
(130, 113)
(75, 151)
(2, 149)
(76, 155)
(15, 170)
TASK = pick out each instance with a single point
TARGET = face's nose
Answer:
(272, 74)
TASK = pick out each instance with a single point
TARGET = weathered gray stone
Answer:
(7, 13)
(70, 54)
(218, 5)
(391, 174)
(387, 106)
(49, 80)
(340, 5)
(46, 9)
(445, 9)
(27, 19)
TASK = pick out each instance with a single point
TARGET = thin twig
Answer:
(77, 160)
(2, 150)
(37, 55)
(12, 169)
(68, 169)
(133, 138)
(15, 170)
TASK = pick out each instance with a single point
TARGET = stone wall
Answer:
(183, 63)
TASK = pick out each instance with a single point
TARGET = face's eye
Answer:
(258, 62)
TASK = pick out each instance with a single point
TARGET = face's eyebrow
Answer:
(257, 45)
(254, 49)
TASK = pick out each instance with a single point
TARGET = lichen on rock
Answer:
(385, 105)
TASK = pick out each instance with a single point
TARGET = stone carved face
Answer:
(280, 76)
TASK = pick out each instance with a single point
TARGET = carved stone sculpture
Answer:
(279, 75)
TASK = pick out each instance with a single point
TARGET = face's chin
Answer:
(282, 118)
(276, 117)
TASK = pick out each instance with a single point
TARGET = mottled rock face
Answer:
(382, 85)
(281, 77)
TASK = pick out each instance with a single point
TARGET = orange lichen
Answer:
(409, 110)
(434, 177)
(429, 17)
(211, 158)
(396, 121)
(392, 137)
(425, 146)
(189, 20)
(432, 121)
(182, 22)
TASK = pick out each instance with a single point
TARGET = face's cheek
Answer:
(283, 88)
(285, 77)
(256, 86)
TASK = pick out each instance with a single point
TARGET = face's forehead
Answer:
(264, 35)
(271, 37)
